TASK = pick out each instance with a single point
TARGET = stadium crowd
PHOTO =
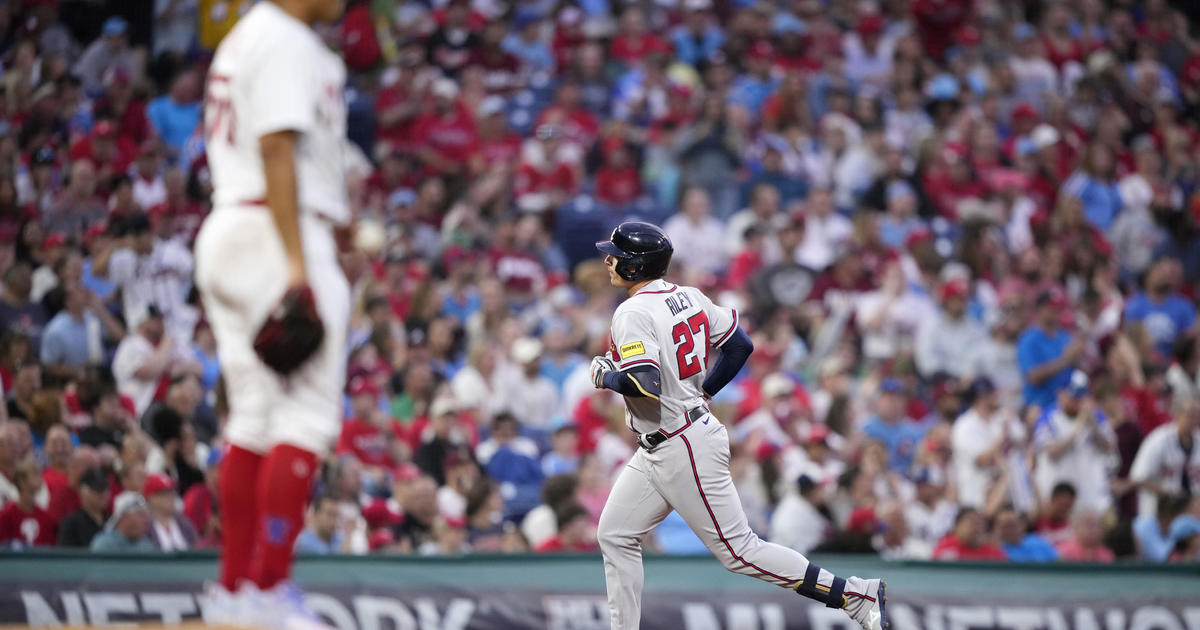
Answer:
(963, 234)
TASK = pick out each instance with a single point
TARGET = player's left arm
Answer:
(734, 351)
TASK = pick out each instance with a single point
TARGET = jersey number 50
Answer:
(684, 336)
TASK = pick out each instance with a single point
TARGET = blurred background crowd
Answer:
(963, 235)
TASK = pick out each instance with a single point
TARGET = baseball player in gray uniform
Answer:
(659, 361)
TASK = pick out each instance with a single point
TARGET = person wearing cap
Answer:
(751, 89)
(1168, 460)
(945, 342)
(369, 434)
(169, 530)
(528, 395)
(699, 36)
(984, 440)
(445, 137)
(142, 359)
(869, 51)
(527, 43)
(23, 523)
(1046, 352)
(796, 522)
(128, 529)
(110, 51)
(1073, 441)
(891, 426)
(545, 176)
(450, 47)
(78, 528)
(200, 503)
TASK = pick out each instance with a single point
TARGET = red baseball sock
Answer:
(238, 502)
(283, 488)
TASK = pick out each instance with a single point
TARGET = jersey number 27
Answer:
(684, 336)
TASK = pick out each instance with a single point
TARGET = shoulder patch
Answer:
(632, 349)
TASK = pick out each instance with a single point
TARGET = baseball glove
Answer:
(292, 333)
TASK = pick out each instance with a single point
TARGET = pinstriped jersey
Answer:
(675, 329)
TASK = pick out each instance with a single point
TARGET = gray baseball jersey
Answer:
(675, 329)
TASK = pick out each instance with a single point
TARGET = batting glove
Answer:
(600, 367)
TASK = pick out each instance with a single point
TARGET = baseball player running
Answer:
(662, 337)
(278, 303)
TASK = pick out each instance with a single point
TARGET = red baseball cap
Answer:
(104, 128)
(380, 539)
(818, 433)
(969, 36)
(954, 289)
(54, 239)
(870, 24)
(1024, 111)
(406, 472)
(761, 50)
(380, 513)
(456, 522)
(361, 385)
(917, 236)
(862, 521)
(158, 483)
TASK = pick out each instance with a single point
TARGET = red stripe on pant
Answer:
(713, 516)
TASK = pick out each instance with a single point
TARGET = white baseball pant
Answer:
(690, 474)
(242, 271)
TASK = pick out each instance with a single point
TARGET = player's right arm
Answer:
(278, 151)
(636, 374)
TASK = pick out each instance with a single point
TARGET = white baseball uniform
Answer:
(273, 73)
(677, 329)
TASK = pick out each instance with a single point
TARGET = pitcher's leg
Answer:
(634, 508)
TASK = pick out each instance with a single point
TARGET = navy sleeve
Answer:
(641, 381)
(734, 353)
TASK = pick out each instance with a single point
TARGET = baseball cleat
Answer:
(865, 600)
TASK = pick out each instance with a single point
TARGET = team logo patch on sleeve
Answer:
(632, 349)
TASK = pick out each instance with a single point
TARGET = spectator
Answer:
(890, 425)
(74, 339)
(944, 342)
(931, 516)
(26, 384)
(81, 526)
(169, 530)
(1095, 185)
(128, 529)
(110, 420)
(22, 522)
(200, 503)
(1018, 543)
(18, 312)
(576, 532)
(1160, 310)
(826, 232)
(563, 457)
(1046, 353)
(176, 114)
(1152, 533)
(968, 540)
(1085, 542)
(1073, 441)
(697, 236)
(528, 395)
(540, 524)
(325, 532)
(1168, 461)
(420, 513)
(1054, 522)
(485, 517)
(143, 359)
(109, 53)
(150, 273)
(367, 434)
(450, 538)
(983, 438)
(797, 522)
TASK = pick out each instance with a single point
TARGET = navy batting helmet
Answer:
(642, 250)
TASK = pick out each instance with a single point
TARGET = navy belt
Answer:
(652, 439)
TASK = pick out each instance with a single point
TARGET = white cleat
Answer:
(217, 607)
(285, 610)
(865, 600)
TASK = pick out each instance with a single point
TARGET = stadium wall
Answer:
(566, 592)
